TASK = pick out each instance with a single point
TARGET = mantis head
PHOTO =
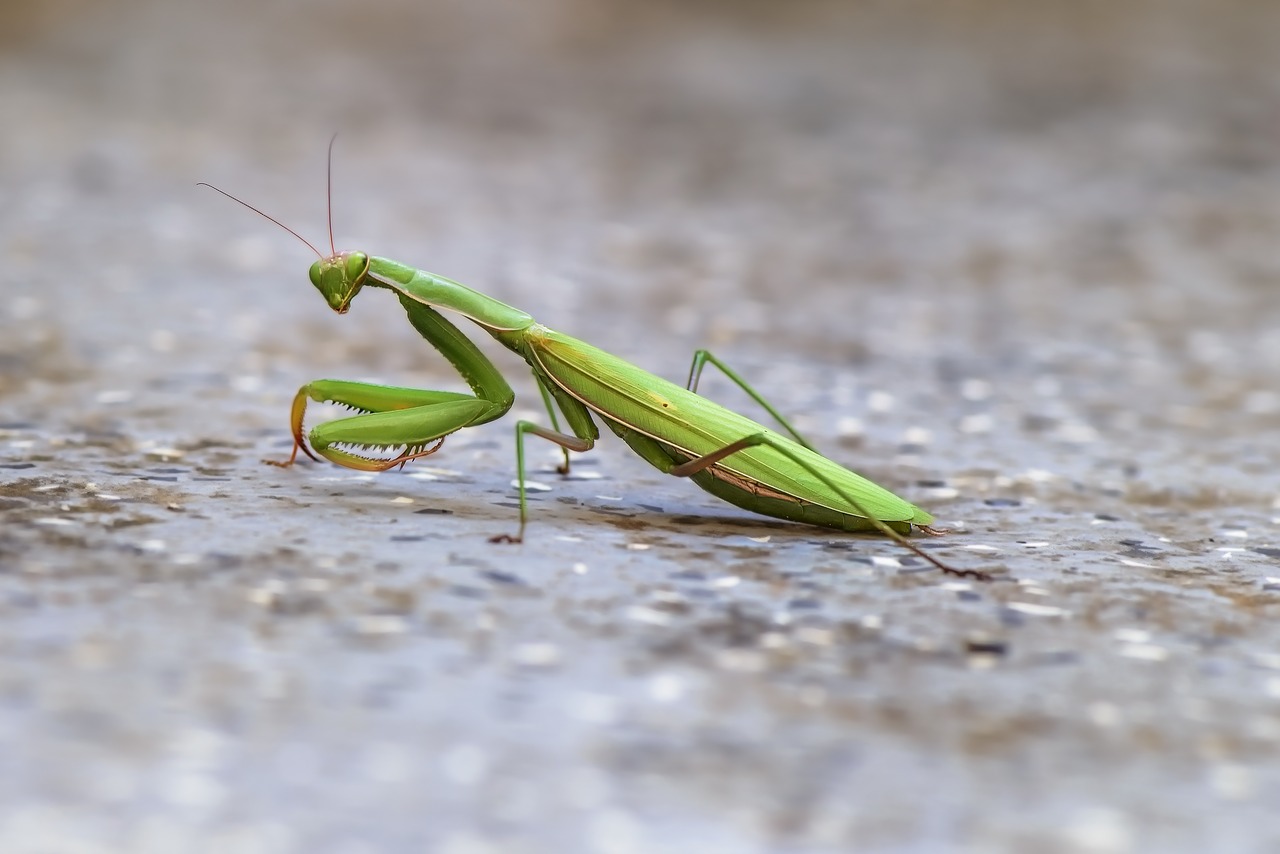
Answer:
(339, 278)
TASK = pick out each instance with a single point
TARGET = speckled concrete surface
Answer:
(1017, 263)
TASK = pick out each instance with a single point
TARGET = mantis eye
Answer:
(355, 266)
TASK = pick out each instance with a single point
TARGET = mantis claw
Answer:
(363, 463)
(296, 413)
(410, 454)
(298, 443)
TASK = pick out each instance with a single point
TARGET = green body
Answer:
(668, 425)
(673, 428)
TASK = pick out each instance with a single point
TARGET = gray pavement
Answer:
(1016, 262)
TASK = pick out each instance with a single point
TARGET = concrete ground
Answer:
(1017, 262)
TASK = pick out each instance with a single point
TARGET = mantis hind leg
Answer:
(657, 456)
(700, 360)
(706, 461)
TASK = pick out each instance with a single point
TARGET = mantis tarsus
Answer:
(671, 427)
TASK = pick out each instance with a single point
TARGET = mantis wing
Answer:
(695, 426)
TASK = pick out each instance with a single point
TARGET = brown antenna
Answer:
(273, 219)
(329, 191)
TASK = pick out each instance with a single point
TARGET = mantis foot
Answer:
(506, 538)
(975, 574)
(293, 457)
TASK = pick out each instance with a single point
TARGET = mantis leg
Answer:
(658, 456)
(702, 463)
(404, 418)
(583, 439)
(391, 417)
(555, 422)
(700, 360)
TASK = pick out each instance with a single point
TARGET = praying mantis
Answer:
(671, 427)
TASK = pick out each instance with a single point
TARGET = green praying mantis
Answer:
(671, 427)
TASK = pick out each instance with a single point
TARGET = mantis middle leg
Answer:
(585, 433)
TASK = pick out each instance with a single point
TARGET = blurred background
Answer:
(1014, 260)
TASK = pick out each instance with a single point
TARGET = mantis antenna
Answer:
(263, 215)
(329, 192)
